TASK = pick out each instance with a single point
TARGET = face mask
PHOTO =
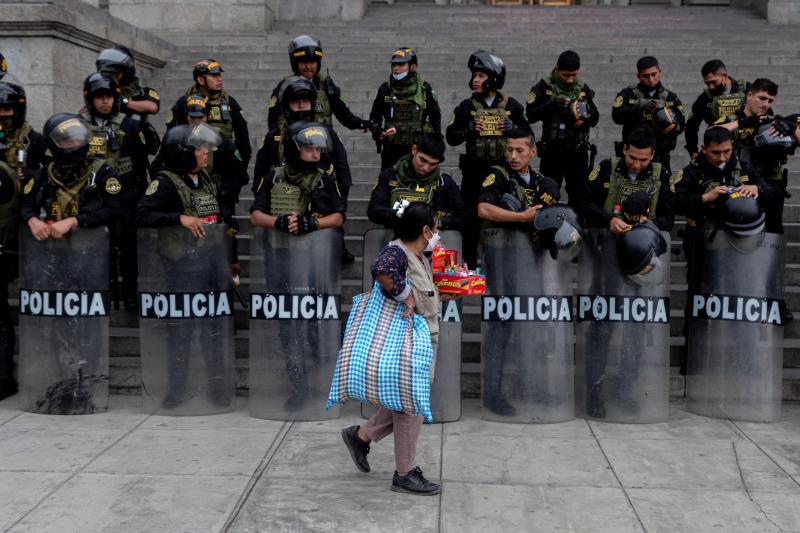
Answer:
(401, 76)
(721, 166)
(7, 124)
(433, 242)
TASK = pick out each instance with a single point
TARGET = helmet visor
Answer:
(112, 57)
(746, 241)
(70, 135)
(315, 136)
(203, 135)
(568, 242)
(653, 274)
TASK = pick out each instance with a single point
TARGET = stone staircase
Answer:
(609, 40)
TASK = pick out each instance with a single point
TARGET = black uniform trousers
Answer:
(566, 162)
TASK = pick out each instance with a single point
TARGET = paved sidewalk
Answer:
(126, 471)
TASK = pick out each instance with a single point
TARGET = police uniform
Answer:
(502, 180)
(329, 104)
(564, 143)
(132, 91)
(399, 182)
(484, 149)
(307, 193)
(411, 107)
(627, 112)
(610, 184)
(333, 163)
(709, 108)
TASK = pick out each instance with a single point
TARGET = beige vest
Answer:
(422, 287)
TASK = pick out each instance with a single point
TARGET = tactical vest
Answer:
(490, 144)
(19, 142)
(71, 195)
(735, 178)
(199, 203)
(323, 114)
(620, 187)
(556, 129)
(9, 211)
(406, 116)
(107, 141)
(287, 198)
(723, 105)
(661, 95)
(419, 192)
(526, 195)
(219, 116)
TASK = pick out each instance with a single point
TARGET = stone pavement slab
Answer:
(787, 431)
(42, 449)
(21, 491)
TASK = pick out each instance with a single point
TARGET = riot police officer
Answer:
(564, 105)
(305, 57)
(417, 177)
(224, 114)
(480, 121)
(650, 105)
(722, 96)
(120, 141)
(765, 141)
(615, 180)
(404, 108)
(298, 198)
(21, 152)
(73, 190)
(136, 101)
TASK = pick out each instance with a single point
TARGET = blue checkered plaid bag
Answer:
(385, 359)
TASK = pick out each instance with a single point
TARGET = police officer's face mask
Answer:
(400, 76)
(7, 123)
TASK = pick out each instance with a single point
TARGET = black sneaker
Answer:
(347, 257)
(357, 447)
(415, 483)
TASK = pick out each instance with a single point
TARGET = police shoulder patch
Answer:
(272, 102)
(152, 188)
(531, 97)
(153, 94)
(28, 187)
(329, 172)
(744, 179)
(674, 179)
(170, 117)
(113, 186)
(452, 119)
(618, 101)
(490, 179)
(392, 183)
(595, 173)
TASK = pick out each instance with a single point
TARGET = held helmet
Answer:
(206, 66)
(777, 146)
(743, 221)
(304, 133)
(117, 59)
(404, 55)
(196, 105)
(180, 143)
(579, 110)
(559, 231)
(639, 252)
(13, 96)
(3, 66)
(483, 61)
(97, 83)
(305, 48)
(664, 120)
(67, 138)
(293, 89)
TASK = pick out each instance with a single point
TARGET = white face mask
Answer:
(721, 166)
(433, 242)
(401, 76)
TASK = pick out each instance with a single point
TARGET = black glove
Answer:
(233, 224)
(783, 126)
(563, 102)
(471, 125)
(365, 125)
(753, 121)
(282, 223)
(306, 225)
(508, 124)
(648, 104)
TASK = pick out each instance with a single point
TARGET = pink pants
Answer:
(406, 430)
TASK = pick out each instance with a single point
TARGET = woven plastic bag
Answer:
(385, 359)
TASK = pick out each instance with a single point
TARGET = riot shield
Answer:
(526, 332)
(735, 333)
(63, 323)
(295, 323)
(186, 321)
(446, 386)
(621, 338)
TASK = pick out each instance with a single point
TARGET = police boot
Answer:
(497, 403)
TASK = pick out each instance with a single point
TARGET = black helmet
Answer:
(196, 105)
(639, 252)
(559, 231)
(206, 66)
(776, 146)
(664, 120)
(97, 83)
(404, 55)
(305, 48)
(67, 137)
(743, 220)
(483, 61)
(304, 133)
(13, 96)
(180, 142)
(116, 59)
(296, 88)
(580, 111)
(3, 66)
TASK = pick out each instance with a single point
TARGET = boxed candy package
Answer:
(452, 278)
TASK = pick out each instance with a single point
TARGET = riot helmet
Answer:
(67, 138)
(3, 65)
(304, 133)
(493, 66)
(305, 48)
(559, 231)
(579, 110)
(404, 54)
(293, 89)
(13, 96)
(777, 146)
(743, 221)
(196, 105)
(98, 83)
(206, 66)
(639, 252)
(664, 120)
(117, 59)
(180, 142)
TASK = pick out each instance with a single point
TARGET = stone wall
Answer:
(188, 15)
